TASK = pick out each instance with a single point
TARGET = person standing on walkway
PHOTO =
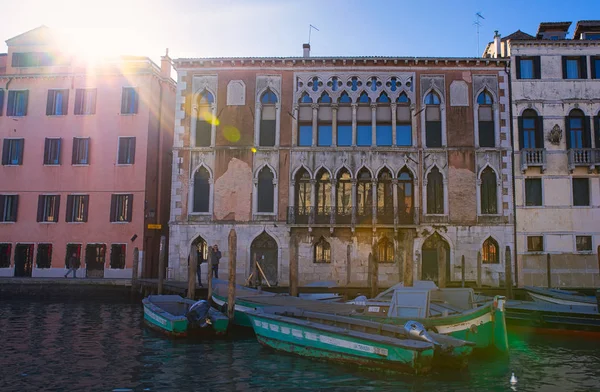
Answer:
(73, 264)
(215, 257)
(200, 260)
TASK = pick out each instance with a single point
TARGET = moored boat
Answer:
(407, 349)
(560, 297)
(177, 316)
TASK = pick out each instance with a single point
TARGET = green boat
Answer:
(349, 340)
(179, 317)
(448, 311)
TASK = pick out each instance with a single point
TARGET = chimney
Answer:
(165, 65)
(497, 43)
(306, 49)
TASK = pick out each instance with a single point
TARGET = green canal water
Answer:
(96, 346)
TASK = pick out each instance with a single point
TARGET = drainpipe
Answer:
(512, 163)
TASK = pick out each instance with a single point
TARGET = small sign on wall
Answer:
(153, 226)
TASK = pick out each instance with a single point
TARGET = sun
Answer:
(93, 44)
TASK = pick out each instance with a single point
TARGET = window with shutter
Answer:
(201, 190)
(485, 114)
(121, 208)
(126, 153)
(267, 120)
(85, 101)
(204, 120)
(77, 208)
(48, 208)
(81, 148)
(5, 255)
(581, 191)
(17, 103)
(488, 195)
(44, 256)
(58, 102)
(129, 100)
(8, 208)
(12, 151)
(433, 121)
(266, 189)
(52, 151)
(533, 192)
(117, 256)
(435, 192)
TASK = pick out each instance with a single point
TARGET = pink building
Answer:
(86, 163)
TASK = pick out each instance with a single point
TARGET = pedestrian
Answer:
(73, 264)
(200, 260)
(215, 257)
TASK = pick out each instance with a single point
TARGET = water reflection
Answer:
(100, 346)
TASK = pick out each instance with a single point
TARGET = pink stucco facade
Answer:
(102, 176)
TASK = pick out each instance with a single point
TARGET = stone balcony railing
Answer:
(533, 157)
(346, 216)
(583, 157)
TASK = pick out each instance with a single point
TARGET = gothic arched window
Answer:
(489, 254)
(433, 121)
(322, 251)
(267, 119)
(485, 114)
(435, 192)
(201, 190)
(489, 199)
(266, 190)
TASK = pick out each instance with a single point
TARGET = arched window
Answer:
(364, 196)
(385, 251)
(343, 197)
(344, 120)
(403, 121)
(393, 83)
(267, 119)
(334, 83)
(383, 128)
(302, 202)
(530, 130)
(485, 114)
(577, 126)
(305, 127)
(323, 196)
(322, 251)
(325, 118)
(266, 190)
(364, 121)
(405, 196)
(435, 192)
(433, 121)
(489, 254)
(489, 200)
(354, 83)
(201, 190)
(385, 197)
(204, 119)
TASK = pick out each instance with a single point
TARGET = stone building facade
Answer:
(556, 133)
(319, 162)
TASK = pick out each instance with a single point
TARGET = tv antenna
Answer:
(310, 30)
(478, 18)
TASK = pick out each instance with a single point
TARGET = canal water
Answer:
(97, 346)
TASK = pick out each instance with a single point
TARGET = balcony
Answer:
(345, 216)
(407, 216)
(583, 157)
(533, 157)
(322, 215)
(299, 215)
(364, 215)
(385, 215)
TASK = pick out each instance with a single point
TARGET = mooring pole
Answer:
(232, 269)
(192, 269)
(161, 263)
(462, 270)
(549, 270)
(134, 269)
(293, 266)
(508, 272)
(209, 275)
(478, 269)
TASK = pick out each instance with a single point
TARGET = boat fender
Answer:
(473, 328)
(199, 314)
(415, 330)
(360, 300)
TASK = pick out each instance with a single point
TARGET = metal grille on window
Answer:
(322, 251)
(490, 251)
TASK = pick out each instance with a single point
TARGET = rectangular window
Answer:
(404, 135)
(344, 135)
(33, 59)
(574, 67)
(44, 256)
(5, 254)
(117, 256)
(129, 101)
(8, 208)
(72, 249)
(121, 208)
(533, 192)
(126, 153)
(433, 134)
(535, 243)
(17, 103)
(364, 135)
(52, 152)
(324, 135)
(305, 135)
(583, 243)
(58, 102)
(528, 67)
(267, 125)
(81, 150)
(85, 101)
(595, 66)
(384, 135)
(581, 192)
(77, 208)
(1, 102)
(48, 206)
(12, 151)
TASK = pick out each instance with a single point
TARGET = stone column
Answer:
(213, 126)
(395, 201)
(353, 199)
(255, 195)
(393, 108)
(374, 201)
(315, 114)
(313, 198)
(334, 109)
(333, 201)
(373, 124)
(354, 108)
(277, 122)
(295, 127)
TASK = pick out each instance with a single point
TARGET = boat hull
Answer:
(313, 342)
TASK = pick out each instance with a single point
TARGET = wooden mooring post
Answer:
(161, 263)
(508, 272)
(209, 275)
(134, 269)
(192, 269)
(479, 269)
(462, 270)
(232, 269)
(293, 266)
(549, 270)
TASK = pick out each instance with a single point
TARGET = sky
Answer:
(240, 28)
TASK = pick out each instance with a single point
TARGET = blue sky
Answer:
(221, 28)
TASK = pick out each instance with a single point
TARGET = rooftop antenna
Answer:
(478, 18)
(310, 30)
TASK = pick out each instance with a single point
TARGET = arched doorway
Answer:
(264, 249)
(435, 251)
(199, 255)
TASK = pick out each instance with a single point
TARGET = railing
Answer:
(364, 215)
(343, 215)
(385, 215)
(583, 157)
(406, 216)
(299, 215)
(348, 215)
(323, 215)
(533, 157)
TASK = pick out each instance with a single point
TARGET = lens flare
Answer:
(231, 133)
(209, 118)
(253, 150)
